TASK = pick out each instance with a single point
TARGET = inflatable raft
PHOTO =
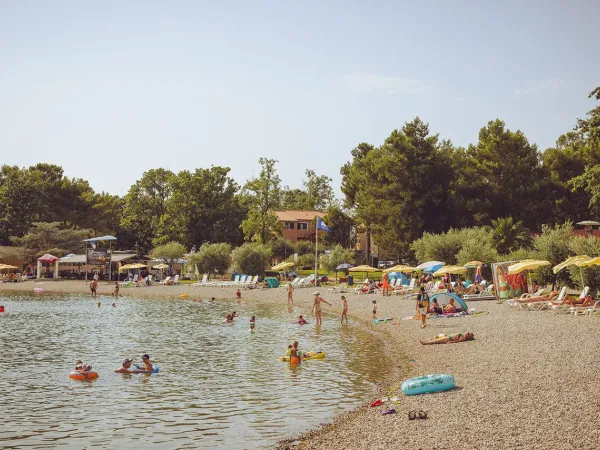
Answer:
(428, 383)
(312, 355)
(83, 376)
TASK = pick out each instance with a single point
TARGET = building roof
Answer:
(295, 216)
(80, 259)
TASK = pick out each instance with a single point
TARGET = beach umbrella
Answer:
(344, 266)
(161, 266)
(473, 264)
(526, 264)
(430, 266)
(283, 265)
(400, 268)
(363, 268)
(449, 270)
(125, 267)
(573, 260)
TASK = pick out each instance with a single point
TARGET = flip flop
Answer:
(412, 415)
(422, 414)
(389, 411)
(376, 403)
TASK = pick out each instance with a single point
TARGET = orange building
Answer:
(298, 225)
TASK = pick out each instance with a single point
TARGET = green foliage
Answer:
(145, 204)
(342, 226)
(262, 197)
(337, 256)
(306, 261)
(316, 196)
(282, 248)
(553, 245)
(305, 247)
(455, 246)
(508, 235)
(168, 252)
(252, 258)
(51, 237)
(580, 245)
(212, 258)
(203, 207)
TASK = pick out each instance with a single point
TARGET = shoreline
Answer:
(528, 380)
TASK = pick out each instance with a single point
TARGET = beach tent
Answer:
(403, 279)
(444, 297)
(48, 259)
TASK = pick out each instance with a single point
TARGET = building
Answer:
(298, 225)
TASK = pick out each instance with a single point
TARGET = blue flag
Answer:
(321, 226)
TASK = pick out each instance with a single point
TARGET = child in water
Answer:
(344, 309)
(80, 367)
(301, 320)
(374, 309)
(238, 294)
(252, 322)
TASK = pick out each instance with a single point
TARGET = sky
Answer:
(111, 89)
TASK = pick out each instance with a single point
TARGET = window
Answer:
(303, 225)
(289, 225)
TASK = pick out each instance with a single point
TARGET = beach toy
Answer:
(184, 295)
(382, 320)
(311, 355)
(428, 383)
(38, 290)
(1, 309)
(83, 376)
(141, 367)
(389, 411)
(376, 403)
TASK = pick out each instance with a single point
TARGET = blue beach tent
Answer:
(444, 297)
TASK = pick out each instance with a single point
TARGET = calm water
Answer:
(219, 385)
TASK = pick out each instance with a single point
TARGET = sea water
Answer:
(220, 385)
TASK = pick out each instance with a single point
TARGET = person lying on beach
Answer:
(302, 320)
(449, 338)
(586, 301)
(125, 367)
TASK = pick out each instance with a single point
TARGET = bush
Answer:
(447, 246)
(168, 252)
(306, 261)
(252, 258)
(305, 247)
(281, 248)
(337, 256)
(580, 245)
(553, 245)
(212, 258)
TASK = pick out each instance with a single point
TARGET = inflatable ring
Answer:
(141, 367)
(428, 383)
(83, 376)
(184, 295)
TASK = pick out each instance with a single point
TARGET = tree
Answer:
(305, 248)
(107, 213)
(252, 258)
(51, 237)
(212, 258)
(455, 246)
(169, 252)
(145, 204)
(553, 245)
(203, 207)
(282, 248)
(342, 226)
(509, 235)
(338, 255)
(262, 196)
(318, 191)
(585, 276)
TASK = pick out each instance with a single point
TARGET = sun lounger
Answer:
(340, 289)
(566, 309)
(166, 281)
(203, 282)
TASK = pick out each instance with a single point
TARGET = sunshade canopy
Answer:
(283, 265)
(400, 268)
(101, 238)
(161, 266)
(573, 260)
(588, 262)
(363, 268)
(473, 264)
(588, 222)
(7, 266)
(527, 264)
(48, 258)
(450, 270)
(429, 265)
(344, 266)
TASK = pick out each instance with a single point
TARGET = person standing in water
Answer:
(116, 290)
(374, 309)
(317, 307)
(94, 287)
(344, 310)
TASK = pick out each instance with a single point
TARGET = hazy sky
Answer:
(111, 89)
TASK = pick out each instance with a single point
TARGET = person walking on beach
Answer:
(479, 274)
(374, 309)
(385, 283)
(344, 310)
(317, 307)
(422, 305)
(94, 287)
(290, 290)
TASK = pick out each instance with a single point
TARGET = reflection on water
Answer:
(219, 384)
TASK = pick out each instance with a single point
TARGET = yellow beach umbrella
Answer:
(363, 268)
(400, 268)
(125, 267)
(137, 266)
(161, 266)
(573, 260)
(449, 270)
(526, 264)
(473, 264)
(283, 265)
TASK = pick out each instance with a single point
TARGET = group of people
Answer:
(424, 306)
(146, 366)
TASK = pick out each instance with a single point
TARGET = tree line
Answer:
(413, 183)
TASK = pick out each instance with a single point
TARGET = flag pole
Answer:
(316, 249)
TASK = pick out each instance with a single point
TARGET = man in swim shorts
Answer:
(94, 287)
(148, 367)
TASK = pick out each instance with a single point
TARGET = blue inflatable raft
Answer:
(428, 383)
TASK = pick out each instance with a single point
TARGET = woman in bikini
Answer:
(449, 338)
(317, 307)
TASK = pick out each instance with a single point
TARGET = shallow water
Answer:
(219, 385)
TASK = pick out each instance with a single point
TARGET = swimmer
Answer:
(94, 287)
(344, 309)
(212, 299)
(148, 367)
(99, 304)
(81, 367)
(114, 305)
(374, 310)
(302, 320)
(116, 290)
(125, 367)
(252, 322)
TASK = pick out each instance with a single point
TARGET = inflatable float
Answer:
(38, 290)
(311, 355)
(141, 367)
(83, 376)
(376, 321)
(428, 383)
(184, 295)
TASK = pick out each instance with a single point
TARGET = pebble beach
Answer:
(528, 380)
